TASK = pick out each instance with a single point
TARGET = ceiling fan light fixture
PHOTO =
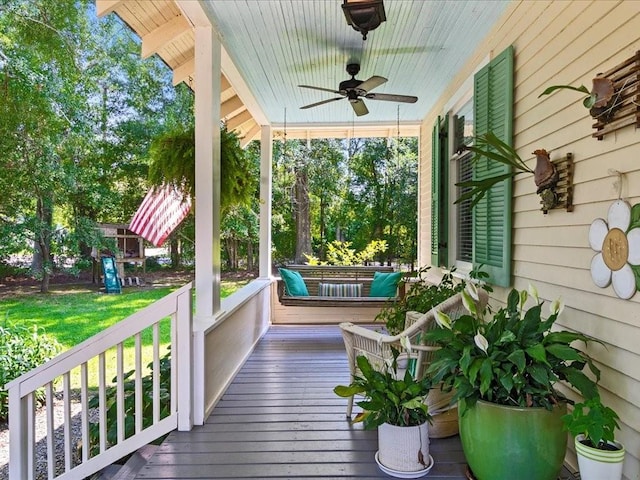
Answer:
(364, 15)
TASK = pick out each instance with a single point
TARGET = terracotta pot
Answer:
(499, 441)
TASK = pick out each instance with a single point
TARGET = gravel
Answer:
(41, 432)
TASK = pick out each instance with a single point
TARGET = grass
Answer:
(71, 317)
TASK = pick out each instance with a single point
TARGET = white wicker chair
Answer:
(377, 346)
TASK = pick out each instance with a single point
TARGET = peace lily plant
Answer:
(390, 397)
(511, 357)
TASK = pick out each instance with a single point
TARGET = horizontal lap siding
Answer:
(568, 43)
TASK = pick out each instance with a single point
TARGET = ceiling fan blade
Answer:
(372, 83)
(391, 97)
(321, 89)
(321, 103)
(359, 107)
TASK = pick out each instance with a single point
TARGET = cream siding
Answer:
(564, 42)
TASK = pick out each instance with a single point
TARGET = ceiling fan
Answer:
(355, 90)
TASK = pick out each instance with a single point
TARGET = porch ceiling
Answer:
(272, 46)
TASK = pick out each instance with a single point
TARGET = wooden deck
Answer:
(281, 420)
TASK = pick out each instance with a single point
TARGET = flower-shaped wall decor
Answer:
(617, 242)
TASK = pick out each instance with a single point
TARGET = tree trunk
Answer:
(44, 213)
(302, 211)
(174, 252)
(249, 255)
(321, 253)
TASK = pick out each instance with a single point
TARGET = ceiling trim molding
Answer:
(242, 89)
(163, 35)
(347, 130)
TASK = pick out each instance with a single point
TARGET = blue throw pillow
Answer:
(385, 284)
(294, 283)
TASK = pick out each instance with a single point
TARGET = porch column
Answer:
(266, 154)
(207, 129)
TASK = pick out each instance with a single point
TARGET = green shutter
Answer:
(439, 195)
(493, 110)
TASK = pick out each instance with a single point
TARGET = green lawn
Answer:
(72, 317)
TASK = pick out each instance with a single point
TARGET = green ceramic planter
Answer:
(502, 443)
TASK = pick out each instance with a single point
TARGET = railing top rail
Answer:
(93, 346)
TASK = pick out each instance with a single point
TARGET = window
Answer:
(482, 234)
(462, 160)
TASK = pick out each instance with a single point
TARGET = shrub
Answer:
(22, 349)
(130, 404)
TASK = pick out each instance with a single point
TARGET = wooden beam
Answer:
(183, 71)
(230, 106)
(237, 120)
(224, 84)
(166, 33)
(104, 7)
(250, 135)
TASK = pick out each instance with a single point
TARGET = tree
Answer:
(78, 111)
(39, 111)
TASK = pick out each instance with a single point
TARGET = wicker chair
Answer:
(377, 348)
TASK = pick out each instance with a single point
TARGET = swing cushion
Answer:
(294, 283)
(385, 284)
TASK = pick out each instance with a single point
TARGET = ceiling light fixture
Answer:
(364, 15)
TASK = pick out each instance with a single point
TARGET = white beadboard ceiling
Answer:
(277, 45)
(272, 46)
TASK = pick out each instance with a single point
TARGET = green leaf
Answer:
(579, 380)
(539, 373)
(486, 376)
(537, 352)
(481, 187)
(581, 89)
(518, 359)
(347, 391)
(636, 273)
(564, 352)
(635, 217)
(590, 100)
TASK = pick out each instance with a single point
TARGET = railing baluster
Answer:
(138, 376)
(174, 361)
(156, 372)
(102, 400)
(84, 398)
(31, 435)
(120, 392)
(51, 453)
(66, 398)
(23, 403)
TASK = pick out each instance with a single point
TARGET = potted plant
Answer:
(503, 368)
(394, 404)
(421, 296)
(593, 425)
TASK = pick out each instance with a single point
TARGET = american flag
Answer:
(159, 214)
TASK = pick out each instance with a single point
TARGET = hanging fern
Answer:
(173, 163)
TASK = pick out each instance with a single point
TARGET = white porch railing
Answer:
(92, 352)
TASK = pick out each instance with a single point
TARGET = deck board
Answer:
(280, 419)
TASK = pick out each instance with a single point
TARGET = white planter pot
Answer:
(399, 447)
(597, 464)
